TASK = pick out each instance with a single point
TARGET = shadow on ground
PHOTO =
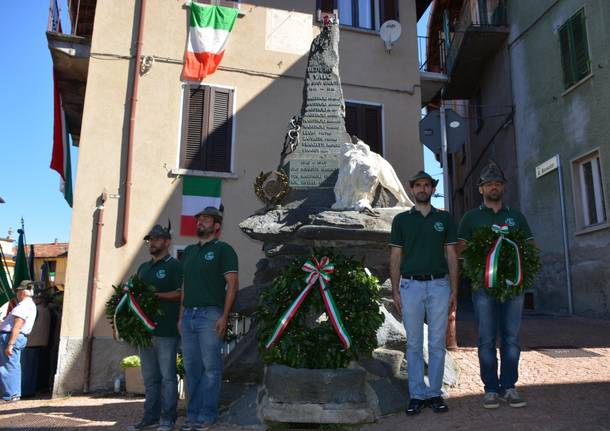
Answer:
(550, 408)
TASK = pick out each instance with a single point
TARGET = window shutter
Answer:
(389, 10)
(217, 144)
(566, 61)
(364, 121)
(193, 126)
(351, 120)
(372, 128)
(326, 6)
(581, 49)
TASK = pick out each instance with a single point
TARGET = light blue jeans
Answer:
(159, 374)
(420, 299)
(495, 317)
(10, 366)
(201, 348)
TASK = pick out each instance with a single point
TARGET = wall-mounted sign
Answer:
(546, 167)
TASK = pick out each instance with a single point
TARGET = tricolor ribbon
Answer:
(128, 299)
(493, 257)
(318, 273)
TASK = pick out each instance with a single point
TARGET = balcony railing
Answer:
(475, 14)
(431, 54)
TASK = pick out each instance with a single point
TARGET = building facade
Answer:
(243, 109)
(532, 76)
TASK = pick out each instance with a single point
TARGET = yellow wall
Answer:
(264, 103)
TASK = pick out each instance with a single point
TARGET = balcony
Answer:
(479, 32)
(432, 78)
(70, 55)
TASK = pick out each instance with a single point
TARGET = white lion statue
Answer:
(360, 172)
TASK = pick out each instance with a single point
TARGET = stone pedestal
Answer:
(315, 396)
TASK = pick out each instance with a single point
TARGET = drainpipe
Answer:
(93, 290)
(133, 102)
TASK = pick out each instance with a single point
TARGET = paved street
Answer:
(569, 392)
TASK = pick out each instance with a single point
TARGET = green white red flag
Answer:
(209, 30)
(60, 159)
(197, 193)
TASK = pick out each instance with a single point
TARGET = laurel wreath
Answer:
(130, 328)
(475, 256)
(310, 340)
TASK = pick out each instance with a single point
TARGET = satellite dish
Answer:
(390, 32)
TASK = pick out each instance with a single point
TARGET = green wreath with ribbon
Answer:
(501, 260)
(132, 310)
(322, 311)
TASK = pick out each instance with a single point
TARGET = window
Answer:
(589, 191)
(207, 129)
(364, 121)
(574, 49)
(366, 14)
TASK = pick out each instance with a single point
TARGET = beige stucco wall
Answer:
(263, 105)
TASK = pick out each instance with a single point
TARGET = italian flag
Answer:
(197, 193)
(209, 29)
(60, 159)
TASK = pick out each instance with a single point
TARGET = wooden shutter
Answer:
(326, 6)
(191, 156)
(566, 63)
(207, 129)
(581, 48)
(217, 146)
(351, 119)
(389, 10)
(372, 127)
(364, 121)
(574, 49)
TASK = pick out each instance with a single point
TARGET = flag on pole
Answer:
(60, 160)
(209, 29)
(6, 291)
(197, 193)
(21, 264)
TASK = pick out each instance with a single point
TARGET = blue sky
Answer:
(29, 187)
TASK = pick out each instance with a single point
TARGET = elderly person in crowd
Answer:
(14, 330)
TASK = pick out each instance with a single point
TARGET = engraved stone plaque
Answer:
(314, 163)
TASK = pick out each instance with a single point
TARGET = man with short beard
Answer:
(210, 286)
(490, 313)
(159, 360)
(423, 250)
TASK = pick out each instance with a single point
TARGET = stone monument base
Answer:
(298, 395)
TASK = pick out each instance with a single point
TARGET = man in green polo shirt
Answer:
(490, 313)
(423, 250)
(210, 286)
(159, 361)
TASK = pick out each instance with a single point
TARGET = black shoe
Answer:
(415, 407)
(438, 405)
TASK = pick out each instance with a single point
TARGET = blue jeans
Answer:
(10, 367)
(160, 381)
(201, 348)
(493, 316)
(431, 299)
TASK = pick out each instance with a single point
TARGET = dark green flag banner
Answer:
(6, 292)
(21, 264)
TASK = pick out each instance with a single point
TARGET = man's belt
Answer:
(427, 277)
(9, 332)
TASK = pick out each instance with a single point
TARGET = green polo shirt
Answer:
(166, 275)
(423, 241)
(484, 216)
(205, 267)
